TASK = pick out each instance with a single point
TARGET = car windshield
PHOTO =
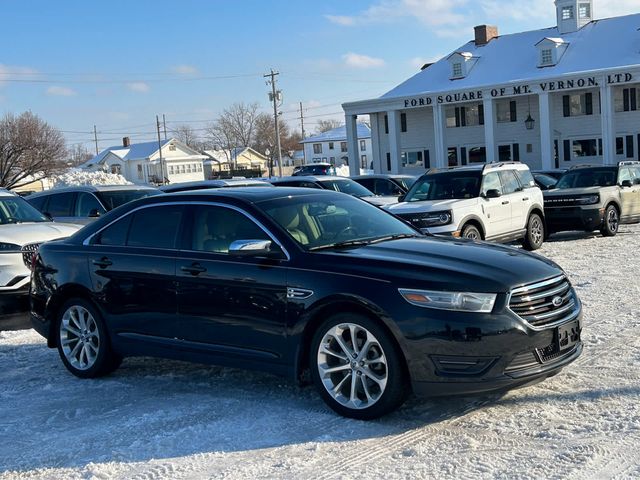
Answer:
(405, 182)
(588, 177)
(114, 198)
(317, 170)
(545, 180)
(327, 221)
(347, 186)
(445, 186)
(17, 210)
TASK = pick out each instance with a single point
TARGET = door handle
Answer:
(506, 202)
(525, 199)
(193, 269)
(104, 262)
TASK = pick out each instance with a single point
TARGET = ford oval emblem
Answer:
(557, 301)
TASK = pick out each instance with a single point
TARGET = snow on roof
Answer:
(135, 151)
(601, 44)
(338, 134)
(223, 156)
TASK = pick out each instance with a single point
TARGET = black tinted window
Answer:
(86, 203)
(386, 187)
(155, 227)
(115, 234)
(38, 202)
(60, 205)
(114, 198)
(215, 228)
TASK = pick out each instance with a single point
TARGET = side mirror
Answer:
(626, 183)
(251, 248)
(636, 181)
(401, 197)
(48, 215)
(493, 193)
(95, 213)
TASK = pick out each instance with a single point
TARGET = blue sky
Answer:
(117, 64)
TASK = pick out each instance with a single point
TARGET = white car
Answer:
(22, 230)
(495, 201)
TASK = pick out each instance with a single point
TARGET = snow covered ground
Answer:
(76, 176)
(162, 419)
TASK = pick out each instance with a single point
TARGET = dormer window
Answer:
(567, 12)
(584, 10)
(457, 70)
(550, 51)
(546, 57)
(461, 64)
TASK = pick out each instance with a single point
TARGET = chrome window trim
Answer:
(87, 241)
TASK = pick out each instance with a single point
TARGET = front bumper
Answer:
(574, 218)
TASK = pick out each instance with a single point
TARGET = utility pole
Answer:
(276, 96)
(95, 136)
(304, 151)
(160, 150)
(164, 123)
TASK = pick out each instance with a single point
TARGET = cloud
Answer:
(614, 8)
(355, 60)
(58, 91)
(429, 12)
(139, 87)
(419, 62)
(184, 69)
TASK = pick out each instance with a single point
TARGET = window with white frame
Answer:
(567, 12)
(457, 69)
(317, 148)
(584, 10)
(363, 145)
(330, 145)
(363, 161)
(199, 167)
(140, 173)
(343, 146)
(472, 115)
(585, 148)
(182, 169)
(625, 99)
(170, 169)
(506, 111)
(412, 159)
(546, 56)
(452, 118)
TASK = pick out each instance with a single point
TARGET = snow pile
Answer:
(76, 176)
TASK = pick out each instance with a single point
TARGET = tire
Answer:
(83, 341)
(535, 235)
(611, 222)
(471, 232)
(381, 386)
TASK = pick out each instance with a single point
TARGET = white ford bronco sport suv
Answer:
(494, 201)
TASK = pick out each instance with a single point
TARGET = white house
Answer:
(552, 98)
(332, 147)
(239, 158)
(142, 163)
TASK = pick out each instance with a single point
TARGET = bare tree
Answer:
(187, 135)
(265, 137)
(78, 154)
(220, 135)
(29, 148)
(326, 125)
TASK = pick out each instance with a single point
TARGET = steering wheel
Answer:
(346, 230)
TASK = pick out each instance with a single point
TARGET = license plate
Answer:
(568, 335)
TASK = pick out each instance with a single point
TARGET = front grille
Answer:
(559, 202)
(28, 252)
(523, 361)
(547, 303)
(418, 220)
(553, 352)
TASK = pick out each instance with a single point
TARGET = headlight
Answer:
(9, 248)
(436, 219)
(457, 301)
(588, 200)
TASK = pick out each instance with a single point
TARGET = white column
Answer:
(439, 160)
(375, 143)
(546, 143)
(607, 118)
(393, 117)
(489, 130)
(351, 122)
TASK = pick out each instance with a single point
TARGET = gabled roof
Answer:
(338, 134)
(557, 41)
(223, 156)
(601, 44)
(135, 151)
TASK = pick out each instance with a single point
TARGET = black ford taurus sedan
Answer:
(298, 282)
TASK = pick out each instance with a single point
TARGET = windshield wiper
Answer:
(362, 242)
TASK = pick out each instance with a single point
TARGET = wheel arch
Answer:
(476, 222)
(318, 313)
(56, 302)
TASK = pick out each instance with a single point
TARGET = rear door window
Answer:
(39, 202)
(510, 183)
(526, 178)
(155, 227)
(86, 203)
(61, 205)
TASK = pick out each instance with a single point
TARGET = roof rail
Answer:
(587, 165)
(500, 164)
(628, 162)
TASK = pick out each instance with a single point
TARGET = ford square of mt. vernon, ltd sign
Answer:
(551, 86)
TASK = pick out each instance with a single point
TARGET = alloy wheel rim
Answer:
(472, 234)
(613, 220)
(536, 231)
(79, 337)
(352, 366)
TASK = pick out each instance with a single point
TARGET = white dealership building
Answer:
(551, 98)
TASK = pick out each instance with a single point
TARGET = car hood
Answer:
(445, 264)
(36, 232)
(381, 200)
(427, 206)
(569, 192)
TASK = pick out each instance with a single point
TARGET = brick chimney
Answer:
(485, 33)
(126, 141)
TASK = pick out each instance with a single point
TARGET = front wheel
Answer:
(83, 343)
(357, 368)
(611, 222)
(471, 232)
(535, 235)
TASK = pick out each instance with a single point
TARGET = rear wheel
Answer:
(471, 231)
(535, 235)
(611, 222)
(357, 368)
(83, 343)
